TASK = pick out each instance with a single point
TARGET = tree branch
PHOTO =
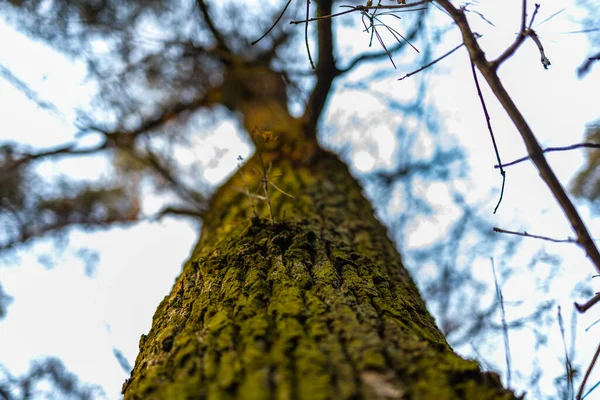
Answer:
(584, 307)
(587, 373)
(382, 54)
(489, 72)
(551, 149)
(525, 234)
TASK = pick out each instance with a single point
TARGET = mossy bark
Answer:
(316, 305)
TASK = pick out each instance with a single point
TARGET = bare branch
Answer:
(587, 373)
(211, 26)
(185, 212)
(525, 234)
(588, 304)
(19, 158)
(489, 72)
(274, 23)
(551, 149)
(326, 71)
(489, 126)
(403, 7)
(432, 63)
(312, 64)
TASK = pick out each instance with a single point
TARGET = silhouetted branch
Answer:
(27, 91)
(588, 304)
(19, 158)
(43, 377)
(587, 373)
(361, 8)
(551, 149)
(489, 71)
(375, 56)
(185, 212)
(491, 131)
(504, 325)
(525, 234)
(432, 63)
(274, 23)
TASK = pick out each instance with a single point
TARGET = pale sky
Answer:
(64, 313)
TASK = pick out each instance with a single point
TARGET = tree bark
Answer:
(316, 305)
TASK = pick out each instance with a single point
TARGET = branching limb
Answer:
(551, 149)
(489, 72)
(587, 373)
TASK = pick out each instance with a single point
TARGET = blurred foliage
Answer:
(591, 27)
(5, 301)
(587, 182)
(46, 379)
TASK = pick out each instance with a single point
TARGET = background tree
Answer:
(154, 153)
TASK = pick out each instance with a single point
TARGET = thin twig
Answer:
(525, 234)
(431, 63)
(312, 64)
(489, 126)
(489, 71)
(302, 21)
(587, 373)
(535, 11)
(186, 212)
(504, 325)
(551, 149)
(274, 24)
(568, 365)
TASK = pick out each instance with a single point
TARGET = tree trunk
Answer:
(315, 305)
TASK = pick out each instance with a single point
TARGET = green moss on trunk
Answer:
(315, 306)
